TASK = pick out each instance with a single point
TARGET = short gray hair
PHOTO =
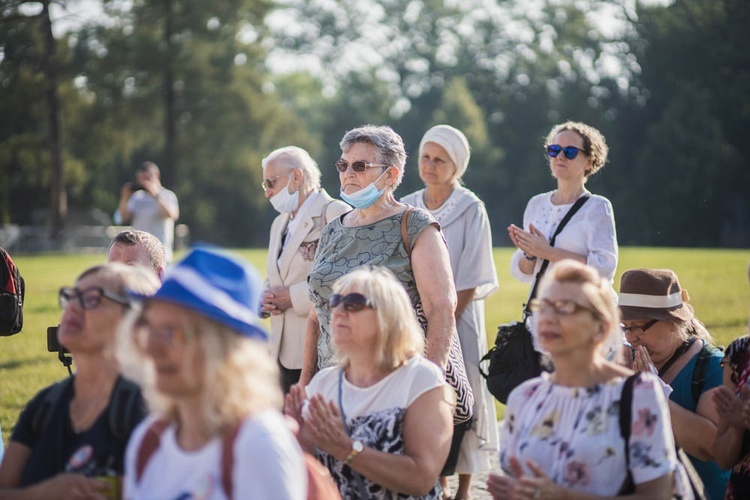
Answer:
(390, 146)
(291, 157)
(154, 247)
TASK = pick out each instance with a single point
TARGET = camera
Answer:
(53, 345)
(135, 186)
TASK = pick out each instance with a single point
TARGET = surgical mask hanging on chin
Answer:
(366, 196)
(285, 202)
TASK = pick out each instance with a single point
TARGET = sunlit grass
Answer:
(715, 279)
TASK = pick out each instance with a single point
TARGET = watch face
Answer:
(358, 446)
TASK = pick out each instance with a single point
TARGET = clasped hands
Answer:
(532, 242)
(521, 486)
(275, 300)
(733, 409)
(319, 422)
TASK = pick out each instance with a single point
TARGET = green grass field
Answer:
(716, 280)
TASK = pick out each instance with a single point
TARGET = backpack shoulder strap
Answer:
(149, 444)
(43, 414)
(404, 230)
(126, 409)
(227, 459)
(700, 370)
(626, 411)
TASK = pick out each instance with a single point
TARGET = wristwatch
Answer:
(357, 448)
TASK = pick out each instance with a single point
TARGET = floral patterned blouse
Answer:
(573, 433)
(737, 358)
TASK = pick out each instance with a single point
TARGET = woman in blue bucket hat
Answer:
(198, 352)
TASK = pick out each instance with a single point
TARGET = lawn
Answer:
(716, 280)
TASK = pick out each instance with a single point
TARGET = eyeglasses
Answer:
(89, 298)
(169, 336)
(269, 183)
(560, 307)
(353, 302)
(634, 329)
(570, 152)
(357, 166)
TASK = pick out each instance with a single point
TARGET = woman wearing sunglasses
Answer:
(72, 435)
(669, 340)
(371, 167)
(381, 417)
(443, 159)
(215, 430)
(575, 152)
(562, 436)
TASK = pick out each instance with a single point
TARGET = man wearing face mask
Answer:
(291, 182)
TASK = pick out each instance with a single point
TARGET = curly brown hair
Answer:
(594, 144)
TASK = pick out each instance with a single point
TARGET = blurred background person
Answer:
(443, 159)
(149, 206)
(77, 429)
(371, 167)
(291, 182)
(561, 437)
(732, 444)
(212, 390)
(134, 247)
(575, 151)
(669, 340)
(381, 417)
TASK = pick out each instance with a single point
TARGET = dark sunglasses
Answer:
(570, 152)
(89, 298)
(634, 329)
(353, 302)
(357, 166)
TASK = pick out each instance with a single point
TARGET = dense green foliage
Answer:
(206, 89)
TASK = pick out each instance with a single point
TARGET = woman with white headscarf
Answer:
(443, 158)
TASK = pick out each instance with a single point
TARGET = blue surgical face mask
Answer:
(366, 196)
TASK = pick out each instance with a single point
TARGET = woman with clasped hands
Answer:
(371, 167)
(575, 151)
(561, 436)
(381, 418)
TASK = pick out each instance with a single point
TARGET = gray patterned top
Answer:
(342, 249)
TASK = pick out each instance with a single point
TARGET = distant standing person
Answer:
(443, 158)
(576, 151)
(291, 182)
(150, 206)
(138, 248)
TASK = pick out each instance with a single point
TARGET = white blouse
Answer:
(591, 232)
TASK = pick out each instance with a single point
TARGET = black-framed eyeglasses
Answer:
(90, 298)
(570, 152)
(353, 302)
(560, 307)
(635, 328)
(357, 166)
(269, 183)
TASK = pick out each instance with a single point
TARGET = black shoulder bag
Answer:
(513, 359)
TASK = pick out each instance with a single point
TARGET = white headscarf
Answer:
(453, 141)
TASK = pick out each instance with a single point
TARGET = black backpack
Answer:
(12, 289)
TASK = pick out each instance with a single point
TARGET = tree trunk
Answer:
(169, 170)
(58, 195)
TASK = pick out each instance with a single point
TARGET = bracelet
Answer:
(528, 257)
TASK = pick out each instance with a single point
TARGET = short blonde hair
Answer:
(399, 335)
(238, 380)
(597, 290)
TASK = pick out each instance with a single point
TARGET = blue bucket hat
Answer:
(216, 285)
